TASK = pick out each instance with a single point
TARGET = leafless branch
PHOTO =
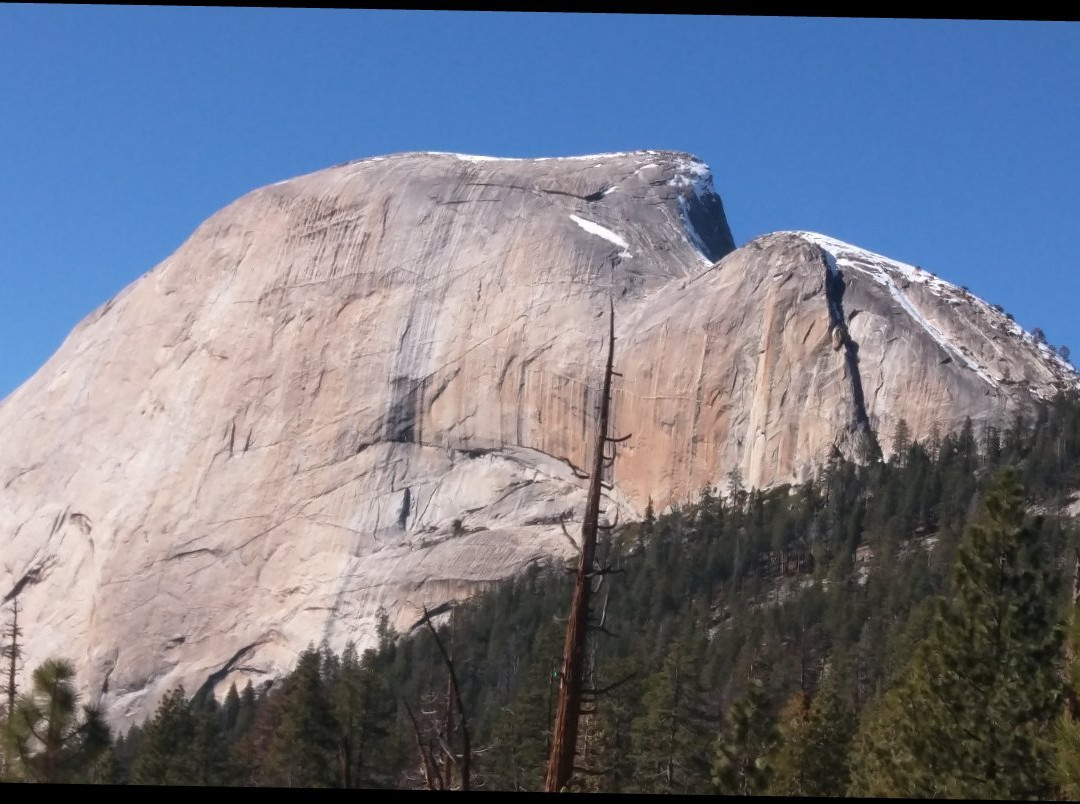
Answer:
(430, 774)
(466, 752)
(610, 687)
(566, 533)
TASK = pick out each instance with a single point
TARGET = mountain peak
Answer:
(372, 387)
(954, 317)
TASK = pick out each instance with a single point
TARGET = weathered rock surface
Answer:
(368, 387)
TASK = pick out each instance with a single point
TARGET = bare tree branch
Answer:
(430, 774)
(610, 687)
(565, 731)
(466, 752)
(566, 533)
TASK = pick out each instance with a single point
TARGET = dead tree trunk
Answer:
(565, 732)
(432, 780)
(670, 769)
(11, 653)
(462, 760)
(1076, 578)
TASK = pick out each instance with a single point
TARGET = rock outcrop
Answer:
(370, 387)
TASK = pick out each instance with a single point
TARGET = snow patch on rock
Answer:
(601, 231)
(481, 158)
(697, 177)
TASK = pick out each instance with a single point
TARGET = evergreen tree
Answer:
(742, 764)
(245, 713)
(901, 443)
(364, 710)
(183, 745)
(706, 578)
(303, 749)
(230, 709)
(970, 715)
(668, 735)
(166, 755)
(790, 759)
(813, 758)
(45, 732)
(521, 736)
(213, 759)
(1066, 769)
(253, 749)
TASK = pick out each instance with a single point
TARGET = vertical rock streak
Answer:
(835, 286)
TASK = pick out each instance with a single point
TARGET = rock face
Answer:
(369, 387)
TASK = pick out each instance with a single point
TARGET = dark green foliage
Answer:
(230, 710)
(245, 713)
(364, 711)
(816, 738)
(302, 751)
(47, 736)
(165, 755)
(670, 735)
(183, 745)
(969, 717)
(1066, 766)
(742, 765)
(521, 736)
(842, 572)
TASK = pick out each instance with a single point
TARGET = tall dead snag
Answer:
(11, 652)
(459, 760)
(432, 780)
(565, 732)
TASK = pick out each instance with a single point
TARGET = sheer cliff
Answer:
(370, 387)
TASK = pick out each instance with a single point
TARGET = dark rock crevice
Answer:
(590, 197)
(207, 687)
(34, 575)
(835, 287)
(406, 508)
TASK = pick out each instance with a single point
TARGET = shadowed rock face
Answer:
(367, 388)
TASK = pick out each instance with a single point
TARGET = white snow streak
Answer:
(479, 158)
(695, 175)
(607, 234)
(472, 157)
(882, 269)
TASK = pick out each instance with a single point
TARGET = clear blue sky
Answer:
(951, 145)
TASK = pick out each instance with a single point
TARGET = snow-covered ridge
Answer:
(882, 269)
(480, 158)
(696, 175)
(690, 173)
(694, 204)
(896, 276)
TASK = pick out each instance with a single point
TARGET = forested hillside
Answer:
(899, 628)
